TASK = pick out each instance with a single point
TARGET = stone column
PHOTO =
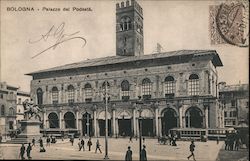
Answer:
(206, 116)
(95, 124)
(156, 122)
(60, 120)
(134, 122)
(44, 120)
(180, 117)
(117, 127)
(137, 127)
(159, 126)
(77, 116)
(113, 122)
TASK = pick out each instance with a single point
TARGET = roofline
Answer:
(217, 61)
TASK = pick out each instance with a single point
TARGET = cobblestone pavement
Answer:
(204, 151)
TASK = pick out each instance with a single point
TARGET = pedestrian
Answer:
(98, 146)
(82, 143)
(1, 137)
(33, 142)
(42, 149)
(128, 156)
(237, 144)
(72, 140)
(218, 140)
(191, 148)
(143, 139)
(79, 144)
(174, 142)
(48, 141)
(89, 144)
(130, 139)
(144, 153)
(226, 143)
(29, 148)
(22, 151)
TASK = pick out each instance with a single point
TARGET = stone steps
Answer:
(19, 141)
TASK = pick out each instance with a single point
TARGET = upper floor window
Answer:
(146, 88)
(233, 103)
(125, 89)
(125, 23)
(54, 95)
(194, 85)
(88, 92)
(2, 110)
(169, 85)
(39, 93)
(1, 95)
(71, 94)
(11, 111)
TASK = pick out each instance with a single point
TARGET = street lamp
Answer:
(139, 102)
(106, 122)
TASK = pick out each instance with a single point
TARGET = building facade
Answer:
(235, 99)
(178, 89)
(7, 108)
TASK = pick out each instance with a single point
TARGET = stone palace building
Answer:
(177, 89)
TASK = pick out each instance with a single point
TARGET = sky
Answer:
(176, 25)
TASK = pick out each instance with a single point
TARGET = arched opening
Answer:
(88, 92)
(70, 121)
(101, 122)
(53, 120)
(39, 93)
(147, 119)
(125, 90)
(146, 88)
(169, 86)
(169, 121)
(193, 85)
(124, 124)
(87, 128)
(194, 118)
(71, 94)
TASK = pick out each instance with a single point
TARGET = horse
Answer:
(30, 109)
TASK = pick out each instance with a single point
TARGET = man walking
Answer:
(48, 141)
(22, 151)
(29, 148)
(82, 144)
(89, 144)
(33, 142)
(144, 153)
(98, 146)
(130, 139)
(191, 148)
(128, 156)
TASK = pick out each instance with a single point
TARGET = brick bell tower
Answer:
(129, 29)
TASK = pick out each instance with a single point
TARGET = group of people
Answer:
(143, 154)
(169, 140)
(232, 142)
(81, 144)
(28, 151)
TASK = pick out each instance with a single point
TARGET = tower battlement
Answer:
(129, 4)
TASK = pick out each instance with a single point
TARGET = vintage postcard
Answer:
(124, 80)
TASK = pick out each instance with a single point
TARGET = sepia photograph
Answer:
(124, 80)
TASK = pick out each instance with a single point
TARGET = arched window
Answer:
(88, 92)
(146, 88)
(53, 120)
(39, 93)
(11, 111)
(54, 95)
(125, 23)
(2, 110)
(169, 85)
(71, 94)
(194, 85)
(125, 90)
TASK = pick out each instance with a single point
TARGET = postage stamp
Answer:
(229, 23)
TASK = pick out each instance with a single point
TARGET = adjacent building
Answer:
(7, 108)
(178, 88)
(235, 99)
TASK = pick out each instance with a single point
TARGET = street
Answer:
(206, 151)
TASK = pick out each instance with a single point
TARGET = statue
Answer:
(30, 110)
